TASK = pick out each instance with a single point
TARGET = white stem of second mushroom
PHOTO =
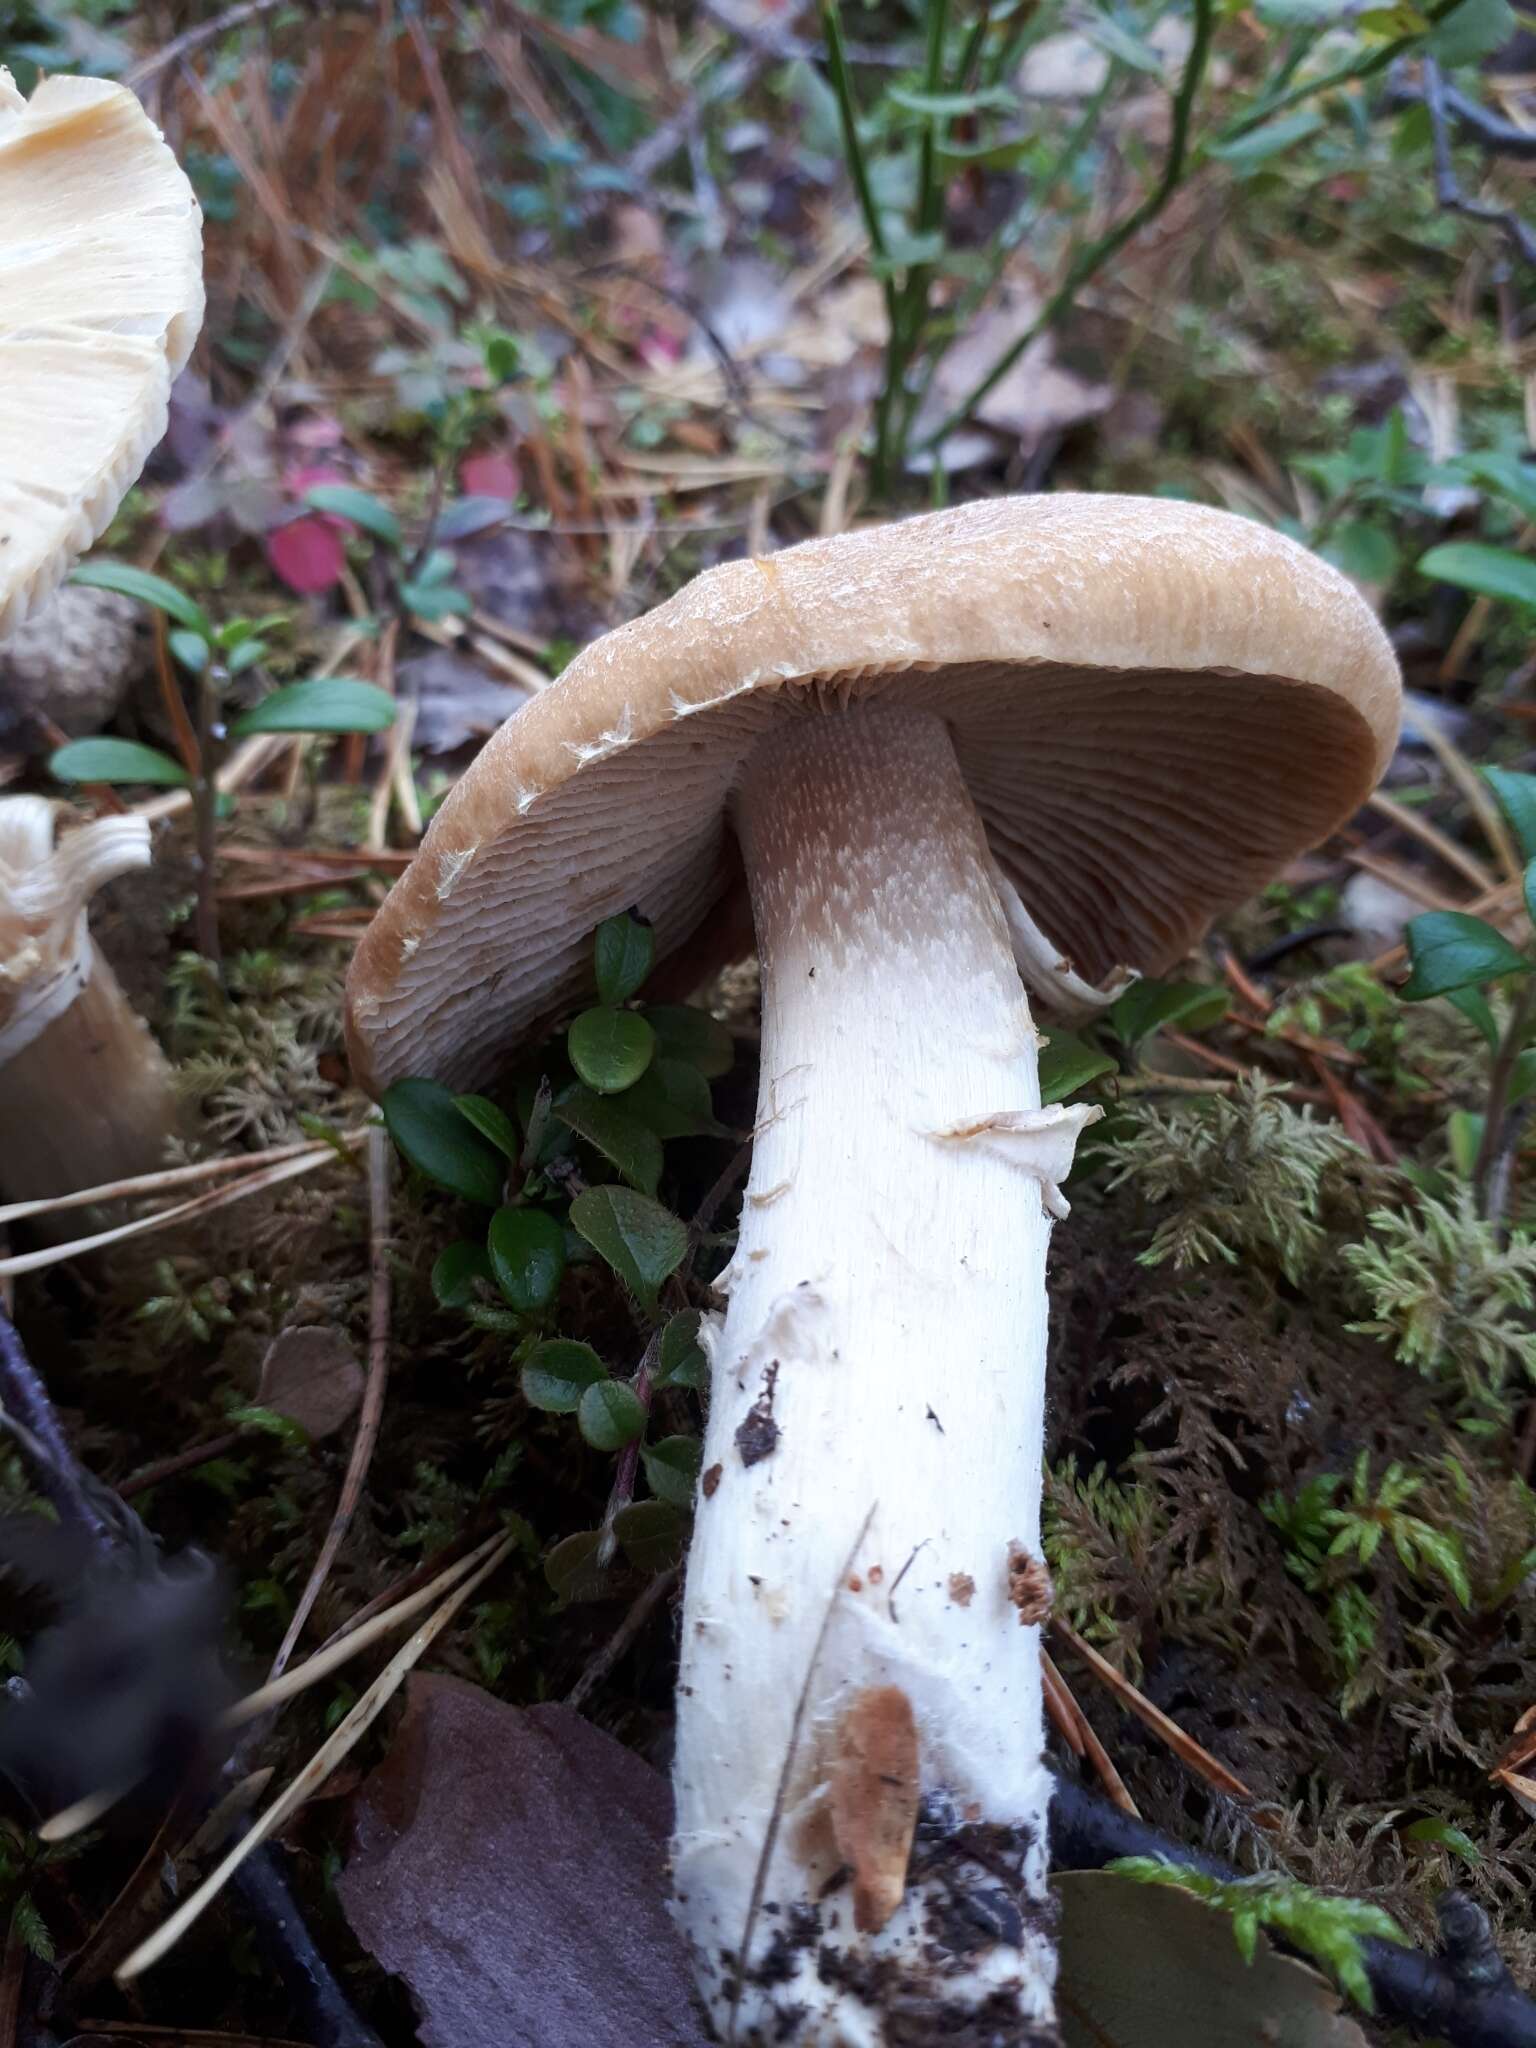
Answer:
(882, 1360)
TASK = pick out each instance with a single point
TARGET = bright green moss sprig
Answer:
(1329, 1930)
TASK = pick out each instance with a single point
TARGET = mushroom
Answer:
(102, 296)
(935, 743)
(85, 1092)
(101, 300)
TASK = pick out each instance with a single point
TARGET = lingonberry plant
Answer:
(572, 1173)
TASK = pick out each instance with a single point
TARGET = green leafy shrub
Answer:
(572, 1174)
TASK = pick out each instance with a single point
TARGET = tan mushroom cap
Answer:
(101, 297)
(1155, 705)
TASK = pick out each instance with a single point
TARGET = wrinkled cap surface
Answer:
(101, 297)
(1155, 705)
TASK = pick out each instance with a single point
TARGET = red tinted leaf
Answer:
(492, 474)
(304, 476)
(307, 554)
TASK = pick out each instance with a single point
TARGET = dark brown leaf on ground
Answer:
(456, 701)
(1144, 1966)
(311, 1375)
(509, 1865)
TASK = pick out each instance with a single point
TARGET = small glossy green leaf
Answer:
(326, 704)
(455, 1272)
(1068, 1063)
(1443, 1836)
(1474, 1006)
(1117, 40)
(607, 1122)
(1472, 31)
(949, 106)
(1515, 795)
(106, 760)
(1451, 950)
(1523, 1079)
(424, 1121)
(189, 648)
(610, 1049)
(527, 1248)
(559, 1373)
(680, 1358)
(502, 356)
(1508, 476)
(1149, 1006)
(344, 501)
(672, 1469)
(146, 589)
(246, 656)
(1365, 549)
(623, 952)
(436, 600)
(673, 1100)
(490, 1122)
(652, 1534)
(572, 1568)
(1247, 152)
(609, 1415)
(904, 251)
(1488, 571)
(643, 1242)
(1464, 1137)
(684, 1033)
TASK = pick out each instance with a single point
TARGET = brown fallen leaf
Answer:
(1037, 399)
(1509, 1771)
(311, 1375)
(510, 1866)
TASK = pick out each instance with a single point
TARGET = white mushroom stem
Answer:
(880, 1370)
(85, 1093)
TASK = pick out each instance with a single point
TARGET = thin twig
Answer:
(278, 1919)
(200, 1205)
(341, 1648)
(1088, 262)
(144, 1185)
(1479, 800)
(1351, 71)
(1448, 187)
(1183, 1746)
(1068, 1714)
(1419, 827)
(625, 1472)
(13, 1968)
(599, 1666)
(1498, 1138)
(371, 1413)
(1498, 137)
(24, 1400)
(314, 1774)
(194, 38)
